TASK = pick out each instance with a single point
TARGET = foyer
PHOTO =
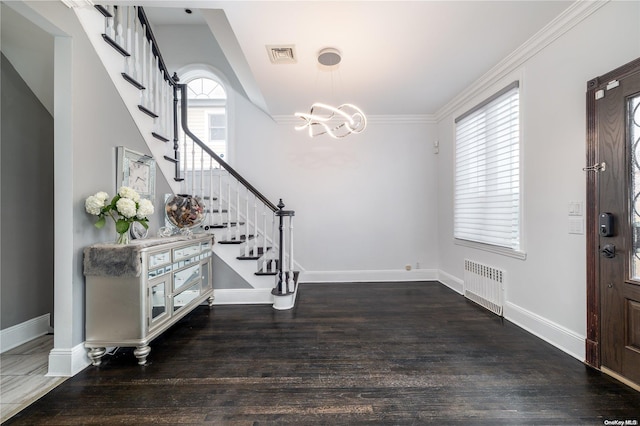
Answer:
(347, 354)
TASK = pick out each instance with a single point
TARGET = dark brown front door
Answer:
(614, 237)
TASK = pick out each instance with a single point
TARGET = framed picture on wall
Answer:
(137, 171)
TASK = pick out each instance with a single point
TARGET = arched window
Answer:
(207, 115)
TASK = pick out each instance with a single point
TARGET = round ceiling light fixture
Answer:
(329, 57)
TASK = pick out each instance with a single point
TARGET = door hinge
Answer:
(598, 167)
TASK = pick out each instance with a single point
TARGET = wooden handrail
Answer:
(149, 33)
(185, 127)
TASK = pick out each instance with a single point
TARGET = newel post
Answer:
(280, 289)
(283, 285)
(176, 138)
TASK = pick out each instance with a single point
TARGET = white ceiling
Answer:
(398, 57)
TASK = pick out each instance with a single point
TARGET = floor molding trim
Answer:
(24, 332)
(368, 276)
(632, 385)
(454, 283)
(243, 296)
(564, 339)
(68, 362)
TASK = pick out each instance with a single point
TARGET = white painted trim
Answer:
(243, 296)
(452, 282)
(286, 302)
(24, 332)
(67, 362)
(368, 276)
(561, 337)
(572, 16)
(67, 316)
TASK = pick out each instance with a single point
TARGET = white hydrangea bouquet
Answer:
(125, 208)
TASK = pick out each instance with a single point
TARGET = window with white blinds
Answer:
(487, 172)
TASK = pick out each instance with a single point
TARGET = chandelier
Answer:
(337, 122)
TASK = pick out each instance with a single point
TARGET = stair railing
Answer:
(250, 219)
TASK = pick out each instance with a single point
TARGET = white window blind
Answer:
(487, 171)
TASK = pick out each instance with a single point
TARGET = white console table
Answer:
(135, 292)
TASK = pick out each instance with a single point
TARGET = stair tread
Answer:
(111, 42)
(147, 111)
(160, 137)
(133, 81)
(235, 240)
(252, 255)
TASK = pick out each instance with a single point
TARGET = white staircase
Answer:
(127, 49)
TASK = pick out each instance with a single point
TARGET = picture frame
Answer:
(137, 171)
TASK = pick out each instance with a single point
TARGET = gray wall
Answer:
(26, 279)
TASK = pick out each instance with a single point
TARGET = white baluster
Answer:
(202, 172)
(255, 226)
(160, 103)
(193, 168)
(237, 210)
(264, 238)
(211, 219)
(291, 282)
(143, 66)
(184, 164)
(130, 23)
(228, 206)
(109, 29)
(135, 47)
(158, 88)
(150, 73)
(119, 30)
(220, 196)
(246, 227)
(166, 132)
(275, 244)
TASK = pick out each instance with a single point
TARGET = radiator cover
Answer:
(484, 285)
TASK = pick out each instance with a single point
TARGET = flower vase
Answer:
(123, 238)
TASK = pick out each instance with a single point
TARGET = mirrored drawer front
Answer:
(157, 259)
(186, 277)
(161, 271)
(186, 296)
(183, 252)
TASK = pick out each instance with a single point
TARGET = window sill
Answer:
(504, 251)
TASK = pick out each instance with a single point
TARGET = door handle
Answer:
(608, 251)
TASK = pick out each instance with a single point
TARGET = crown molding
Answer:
(371, 119)
(77, 3)
(568, 19)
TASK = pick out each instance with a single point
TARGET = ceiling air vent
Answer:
(282, 54)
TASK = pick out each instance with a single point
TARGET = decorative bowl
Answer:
(184, 211)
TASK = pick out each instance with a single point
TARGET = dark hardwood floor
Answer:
(398, 353)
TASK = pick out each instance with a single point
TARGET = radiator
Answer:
(484, 285)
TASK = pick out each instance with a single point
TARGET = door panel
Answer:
(618, 195)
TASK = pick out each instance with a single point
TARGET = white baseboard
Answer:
(68, 361)
(562, 338)
(24, 332)
(368, 276)
(243, 296)
(455, 284)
